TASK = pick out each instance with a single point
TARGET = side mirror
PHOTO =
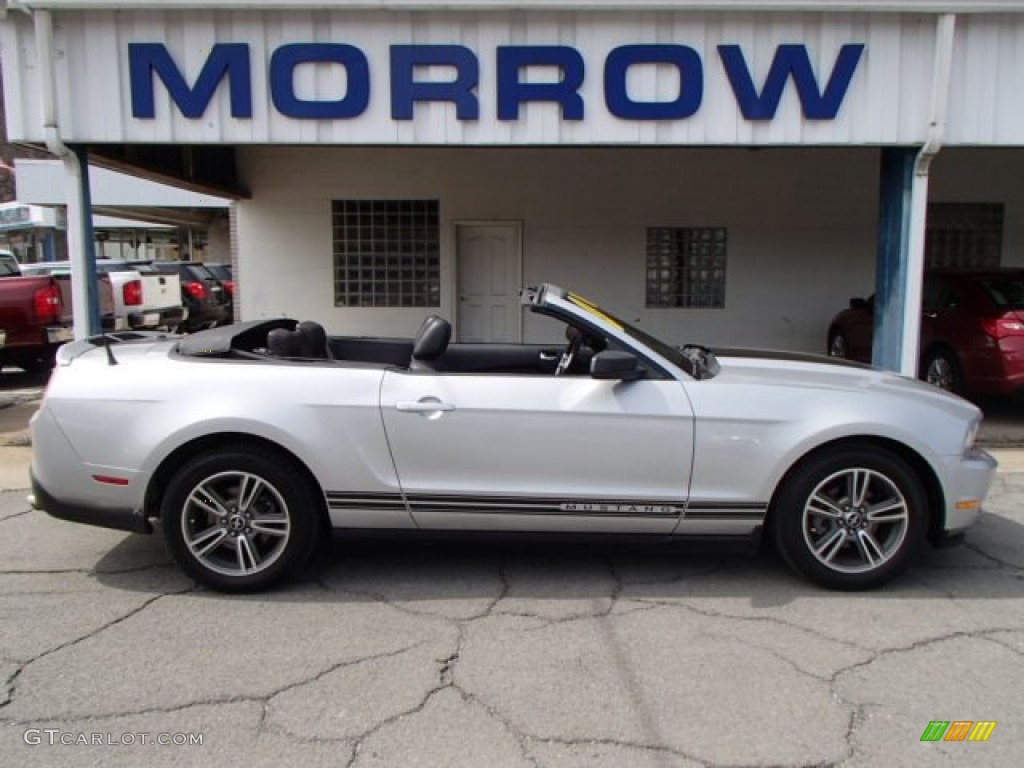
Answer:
(615, 365)
(858, 303)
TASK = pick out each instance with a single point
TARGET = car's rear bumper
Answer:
(104, 517)
(168, 317)
(968, 479)
(58, 334)
(69, 489)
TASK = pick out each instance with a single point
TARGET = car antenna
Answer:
(111, 360)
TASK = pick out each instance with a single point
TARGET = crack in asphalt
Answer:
(656, 748)
(445, 681)
(13, 515)
(1007, 646)
(858, 716)
(448, 665)
(757, 619)
(521, 738)
(264, 724)
(11, 683)
(91, 571)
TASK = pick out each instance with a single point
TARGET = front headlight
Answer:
(972, 433)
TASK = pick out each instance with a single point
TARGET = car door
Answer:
(539, 452)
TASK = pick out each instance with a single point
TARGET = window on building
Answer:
(686, 266)
(387, 253)
(964, 235)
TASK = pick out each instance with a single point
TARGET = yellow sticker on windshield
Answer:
(590, 307)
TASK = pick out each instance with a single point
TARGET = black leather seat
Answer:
(430, 343)
(284, 343)
(313, 340)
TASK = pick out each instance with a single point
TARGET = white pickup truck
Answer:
(145, 296)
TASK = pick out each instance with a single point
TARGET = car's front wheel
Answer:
(850, 518)
(240, 519)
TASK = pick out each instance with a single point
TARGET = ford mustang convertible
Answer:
(249, 443)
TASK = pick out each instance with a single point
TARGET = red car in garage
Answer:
(972, 331)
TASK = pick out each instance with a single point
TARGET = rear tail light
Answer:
(132, 292)
(1001, 327)
(196, 290)
(47, 304)
(229, 286)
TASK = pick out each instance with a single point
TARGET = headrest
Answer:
(313, 339)
(284, 343)
(432, 339)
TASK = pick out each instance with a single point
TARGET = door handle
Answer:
(549, 356)
(423, 406)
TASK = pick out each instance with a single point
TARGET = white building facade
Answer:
(710, 171)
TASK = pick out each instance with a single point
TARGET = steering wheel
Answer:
(575, 342)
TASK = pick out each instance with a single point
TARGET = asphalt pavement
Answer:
(489, 653)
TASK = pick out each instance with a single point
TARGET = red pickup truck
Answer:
(35, 318)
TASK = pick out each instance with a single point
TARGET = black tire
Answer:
(940, 368)
(833, 547)
(36, 363)
(283, 505)
(837, 346)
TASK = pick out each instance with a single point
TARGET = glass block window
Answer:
(686, 267)
(964, 235)
(387, 253)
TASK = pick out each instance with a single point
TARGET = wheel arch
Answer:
(175, 459)
(929, 480)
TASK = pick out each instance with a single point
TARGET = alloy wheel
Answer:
(855, 520)
(235, 523)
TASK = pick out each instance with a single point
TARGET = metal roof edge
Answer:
(818, 6)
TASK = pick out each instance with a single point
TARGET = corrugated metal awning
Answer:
(630, 6)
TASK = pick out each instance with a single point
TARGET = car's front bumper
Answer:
(967, 481)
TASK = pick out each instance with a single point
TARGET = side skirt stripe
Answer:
(630, 508)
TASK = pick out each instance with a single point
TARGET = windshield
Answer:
(1005, 292)
(673, 354)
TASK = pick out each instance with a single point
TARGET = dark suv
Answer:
(201, 293)
(972, 330)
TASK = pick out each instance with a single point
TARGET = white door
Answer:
(539, 453)
(489, 270)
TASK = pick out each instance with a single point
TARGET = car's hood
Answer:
(808, 371)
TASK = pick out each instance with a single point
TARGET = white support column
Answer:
(77, 252)
(944, 38)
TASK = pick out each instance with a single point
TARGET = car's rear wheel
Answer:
(240, 519)
(837, 344)
(941, 369)
(850, 518)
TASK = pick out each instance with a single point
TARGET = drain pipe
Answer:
(86, 311)
(944, 36)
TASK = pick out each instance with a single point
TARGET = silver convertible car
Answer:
(250, 442)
